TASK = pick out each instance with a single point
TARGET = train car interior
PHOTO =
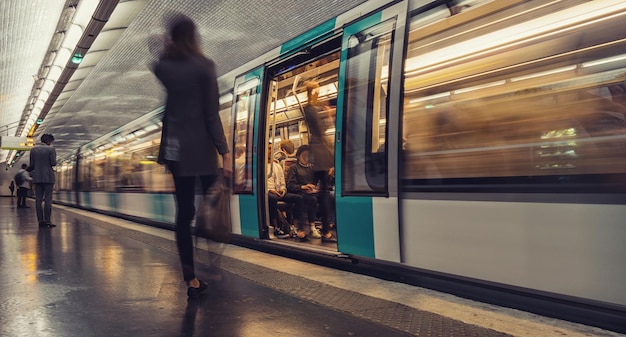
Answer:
(287, 131)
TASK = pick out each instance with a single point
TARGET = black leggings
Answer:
(185, 212)
(323, 199)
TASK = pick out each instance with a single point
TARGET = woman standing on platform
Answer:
(192, 131)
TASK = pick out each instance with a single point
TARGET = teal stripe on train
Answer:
(355, 226)
(113, 202)
(369, 21)
(161, 208)
(312, 34)
(249, 215)
(85, 199)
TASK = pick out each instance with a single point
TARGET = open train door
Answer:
(245, 207)
(368, 138)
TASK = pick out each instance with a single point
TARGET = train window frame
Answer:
(226, 117)
(374, 179)
(248, 90)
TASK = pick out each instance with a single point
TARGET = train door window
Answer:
(366, 102)
(226, 116)
(245, 104)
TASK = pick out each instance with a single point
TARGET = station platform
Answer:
(95, 275)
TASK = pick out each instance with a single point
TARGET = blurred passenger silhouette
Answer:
(192, 132)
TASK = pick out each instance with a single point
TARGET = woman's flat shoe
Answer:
(195, 292)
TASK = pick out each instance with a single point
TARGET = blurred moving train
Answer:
(479, 146)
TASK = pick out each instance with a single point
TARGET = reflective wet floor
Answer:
(82, 280)
(94, 275)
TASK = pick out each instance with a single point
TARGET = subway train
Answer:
(479, 148)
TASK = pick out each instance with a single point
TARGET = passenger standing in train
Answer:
(192, 132)
(42, 158)
(321, 155)
(23, 180)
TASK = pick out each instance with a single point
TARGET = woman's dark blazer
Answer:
(192, 114)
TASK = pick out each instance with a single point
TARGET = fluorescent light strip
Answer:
(427, 98)
(604, 61)
(549, 24)
(478, 87)
(543, 73)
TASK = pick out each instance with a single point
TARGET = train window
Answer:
(126, 163)
(65, 175)
(245, 104)
(515, 94)
(226, 104)
(366, 102)
(83, 171)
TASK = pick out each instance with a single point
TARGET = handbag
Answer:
(213, 219)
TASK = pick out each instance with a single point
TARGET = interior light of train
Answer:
(427, 98)
(554, 23)
(570, 132)
(429, 106)
(140, 133)
(478, 87)
(291, 100)
(77, 58)
(280, 104)
(604, 61)
(544, 73)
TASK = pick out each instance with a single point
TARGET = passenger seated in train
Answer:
(285, 155)
(277, 191)
(301, 180)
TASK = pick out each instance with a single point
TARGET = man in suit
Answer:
(42, 158)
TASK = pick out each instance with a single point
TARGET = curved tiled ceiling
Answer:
(118, 84)
(26, 33)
